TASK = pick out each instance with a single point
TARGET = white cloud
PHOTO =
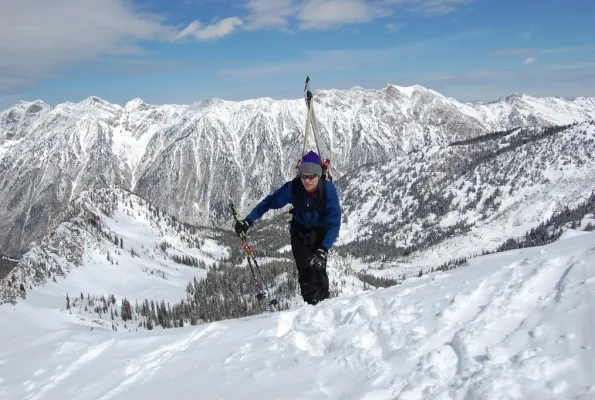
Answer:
(529, 61)
(328, 14)
(312, 14)
(39, 38)
(393, 27)
(92, 27)
(333, 14)
(210, 32)
(474, 74)
(527, 34)
(583, 66)
(554, 50)
(269, 13)
(330, 60)
(430, 7)
(343, 59)
(439, 7)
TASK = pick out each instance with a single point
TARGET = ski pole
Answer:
(251, 258)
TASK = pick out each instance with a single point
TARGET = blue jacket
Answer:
(283, 196)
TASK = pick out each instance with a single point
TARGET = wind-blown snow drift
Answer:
(514, 325)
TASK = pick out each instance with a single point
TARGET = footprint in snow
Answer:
(286, 322)
(408, 314)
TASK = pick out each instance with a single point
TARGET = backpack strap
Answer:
(298, 192)
(321, 203)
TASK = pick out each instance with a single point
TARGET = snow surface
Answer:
(153, 275)
(512, 325)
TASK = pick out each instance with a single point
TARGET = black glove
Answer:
(242, 226)
(318, 260)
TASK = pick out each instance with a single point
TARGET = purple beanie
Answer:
(311, 164)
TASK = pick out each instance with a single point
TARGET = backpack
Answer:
(308, 234)
(298, 192)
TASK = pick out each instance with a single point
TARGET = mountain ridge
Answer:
(404, 89)
(190, 160)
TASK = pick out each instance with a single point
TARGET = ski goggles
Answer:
(308, 177)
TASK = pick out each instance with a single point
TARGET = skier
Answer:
(314, 226)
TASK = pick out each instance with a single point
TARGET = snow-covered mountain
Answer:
(107, 238)
(514, 325)
(189, 160)
(460, 200)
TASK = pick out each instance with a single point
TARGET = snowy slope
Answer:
(104, 242)
(515, 325)
(113, 243)
(188, 159)
(485, 192)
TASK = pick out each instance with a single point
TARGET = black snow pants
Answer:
(314, 284)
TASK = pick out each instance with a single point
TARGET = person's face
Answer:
(310, 181)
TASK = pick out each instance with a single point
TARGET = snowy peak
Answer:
(136, 104)
(410, 91)
(15, 121)
(396, 93)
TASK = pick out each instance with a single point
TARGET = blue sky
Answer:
(184, 51)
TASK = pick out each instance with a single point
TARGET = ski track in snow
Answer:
(515, 325)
